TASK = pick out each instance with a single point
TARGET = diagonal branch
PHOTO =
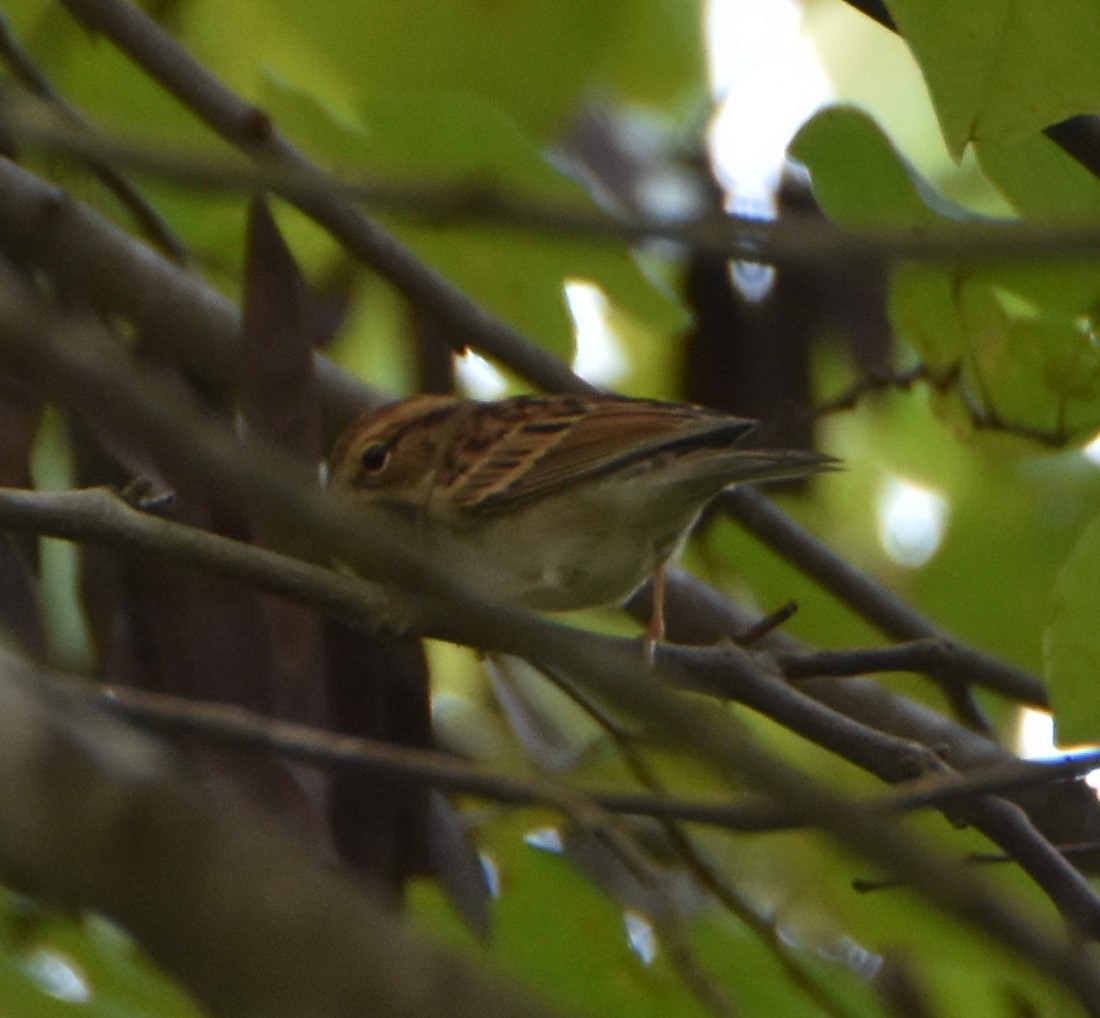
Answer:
(98, 816)
(148, 219)
(794, 240)
(79, 365)
(175, 311)
(251, 130)
(870, 600)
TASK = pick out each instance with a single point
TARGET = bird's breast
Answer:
(562, 553)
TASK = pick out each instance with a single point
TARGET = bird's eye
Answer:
(374, 456)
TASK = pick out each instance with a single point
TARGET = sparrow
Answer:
(552, 502)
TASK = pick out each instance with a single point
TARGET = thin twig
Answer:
(77, 364)
(983, 417)
(793, 240)
(148, 219)
(252, 131)
(873, 602)
(948, 662)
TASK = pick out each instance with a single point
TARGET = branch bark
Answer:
(97, 816)
(79, 365)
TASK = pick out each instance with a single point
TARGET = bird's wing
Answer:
(544, 444)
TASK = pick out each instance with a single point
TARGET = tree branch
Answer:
(251, 130)
(147, 218)
(98, 816)
(946, 661)
(795, 240)
(874, 603)
(174, 310)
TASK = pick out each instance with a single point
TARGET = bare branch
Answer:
(234, 910)
(251, 130)
(79, 365)
(793, 240)
(147, 218)
(948, 662)
(874, 603)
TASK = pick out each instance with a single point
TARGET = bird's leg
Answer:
(655, 630)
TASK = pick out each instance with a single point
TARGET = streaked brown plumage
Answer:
(551, 502)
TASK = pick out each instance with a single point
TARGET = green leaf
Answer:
(1041, 182)
(999, 69)
(536, 62)
(1021, 333)
(861, 180)
(923, 311)
(658, 57)
(1071, 643)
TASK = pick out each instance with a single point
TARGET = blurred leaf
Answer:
(535, 62)
(456, 138)
(1042, 182)
(1000, 69)
(922, 309)
(1071, 643)
(90, 958)
(1063, 354)
(861, 180)
(1022, 334)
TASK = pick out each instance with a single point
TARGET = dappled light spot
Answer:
(911, 521)
(546, 839)
(599, 358)
(1092, 451)
(853, 956)
(492, 874)
(57, 976)
(641, 936)
(1035, 741)
(478, 376)
(766, 79)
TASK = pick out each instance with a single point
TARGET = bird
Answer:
(552, 502)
